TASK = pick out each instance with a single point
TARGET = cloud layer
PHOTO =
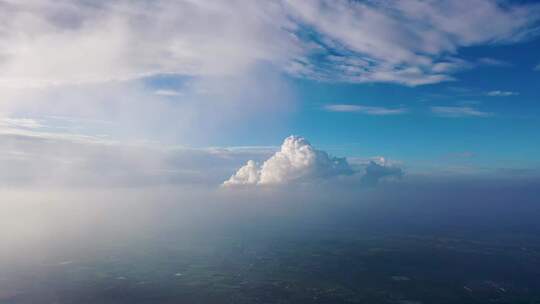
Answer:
(296, 161)
(31, 156)
(120, 40)
(409, 42)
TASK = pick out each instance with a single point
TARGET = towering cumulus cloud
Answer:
(296, 161)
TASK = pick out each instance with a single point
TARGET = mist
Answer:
(269, 152)
(67, 223)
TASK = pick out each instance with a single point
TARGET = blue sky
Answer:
(495, 124)
(431, 86)
(505, 134)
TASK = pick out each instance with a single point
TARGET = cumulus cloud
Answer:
(379, 170)
(369, 110)
(33, 157)
(247, 175)
(296, 161)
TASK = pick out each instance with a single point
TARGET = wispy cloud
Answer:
(456, 111)
(369, 110)
(24, 123)
(494, 62)
(168, 93)
(537, 68)
(32, 157)
(501, 93)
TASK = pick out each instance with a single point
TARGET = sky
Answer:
(266, 93)
(125, 121)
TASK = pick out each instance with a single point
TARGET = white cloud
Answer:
(370, 110)
(47, 43)
(207, 109)
(501, 93)
(409, 42)
(296, 161)
(537, 68)
(51, 43)
(380, 170)
(247, 175)
(25, 123)
(168, 93)
(456, 111)
(32, 157)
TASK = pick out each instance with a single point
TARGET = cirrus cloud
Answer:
(458, 111)
(369, 110)
(499, 93)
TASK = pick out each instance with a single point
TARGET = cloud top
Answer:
(296, 161)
